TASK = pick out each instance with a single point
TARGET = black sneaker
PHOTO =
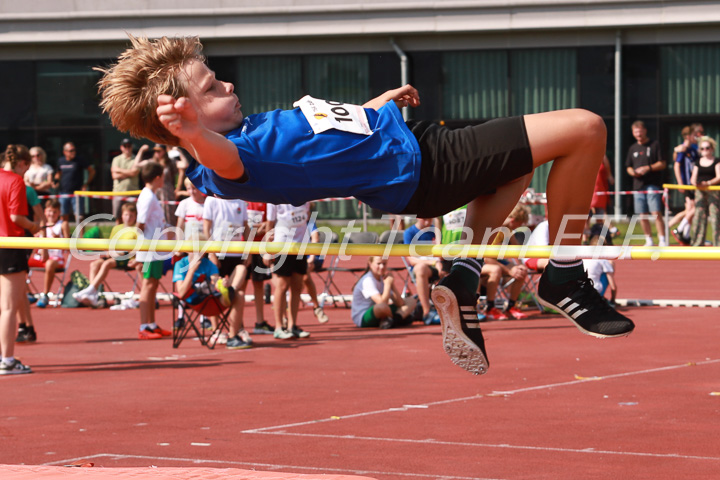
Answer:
(579, 302)
(26, 336)
(462, 337)
(263, 329)
(681, 239)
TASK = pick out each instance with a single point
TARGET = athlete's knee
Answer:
(592, 125)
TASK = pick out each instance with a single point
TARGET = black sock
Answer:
(510, 304)
(468, 270)
(560, 271)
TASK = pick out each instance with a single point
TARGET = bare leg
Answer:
(235, 317)
(575, 140)
(490, 211)
(12, 286)
(259, 301)
(147, 300)
(296, 284)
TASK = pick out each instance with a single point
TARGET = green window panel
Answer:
(690, 77)
(543, 80)
(475, 85)
(343, 78)
(268, 83)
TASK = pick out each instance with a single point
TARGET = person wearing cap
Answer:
(124, 174)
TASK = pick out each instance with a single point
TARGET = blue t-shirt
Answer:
(286, 163)
(206, 268)
(687, 159)
(426, 237)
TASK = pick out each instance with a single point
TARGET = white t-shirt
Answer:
(364, 290)
(36, 175)
(54, 231)
(595, 268)
(192, 213)
(228, 219)
(150, 213)
(290, 222)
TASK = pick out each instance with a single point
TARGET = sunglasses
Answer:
(705, 148)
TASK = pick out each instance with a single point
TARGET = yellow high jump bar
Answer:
(671, 186)
(349, 249)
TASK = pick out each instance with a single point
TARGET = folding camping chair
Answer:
(329, 284)
(60, 275)
(208, 306)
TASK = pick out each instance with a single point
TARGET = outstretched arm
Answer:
(406, 96)
(211, 149)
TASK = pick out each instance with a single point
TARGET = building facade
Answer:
(472, 60)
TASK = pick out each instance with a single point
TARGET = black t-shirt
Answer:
(72, 174)
(641, 155)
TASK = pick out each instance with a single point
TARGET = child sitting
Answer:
(100, 267)
(376, 300)
(51, 260)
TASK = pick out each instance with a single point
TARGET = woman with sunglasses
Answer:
(40, 175)
(706, 173)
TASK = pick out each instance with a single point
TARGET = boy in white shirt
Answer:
(189, 212)
(151, 221)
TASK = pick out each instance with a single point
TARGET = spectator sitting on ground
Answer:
(426, 271)
(512, 273)
(51, 260)
(40, 175)
(100, 267)
(376, 300)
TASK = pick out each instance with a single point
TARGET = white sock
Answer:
(8, 360)
(683, 223)
(686, 230)
(148, 326)
(649, 241)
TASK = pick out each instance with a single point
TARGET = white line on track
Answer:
(270, 430)
(265, 466)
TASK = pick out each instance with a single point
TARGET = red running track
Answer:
(383, 404)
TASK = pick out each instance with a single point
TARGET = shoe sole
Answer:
(462, 351)
(580, 327)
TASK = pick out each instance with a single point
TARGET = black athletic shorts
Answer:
(258, 269)
(13, 260)
(460, 165)
(286, 266)
(228, 264)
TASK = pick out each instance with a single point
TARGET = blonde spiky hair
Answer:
(130, 87)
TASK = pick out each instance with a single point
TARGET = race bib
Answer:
(232, 232)
(297, 218)
(255, 218)
(322, 115)
(455, 219)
